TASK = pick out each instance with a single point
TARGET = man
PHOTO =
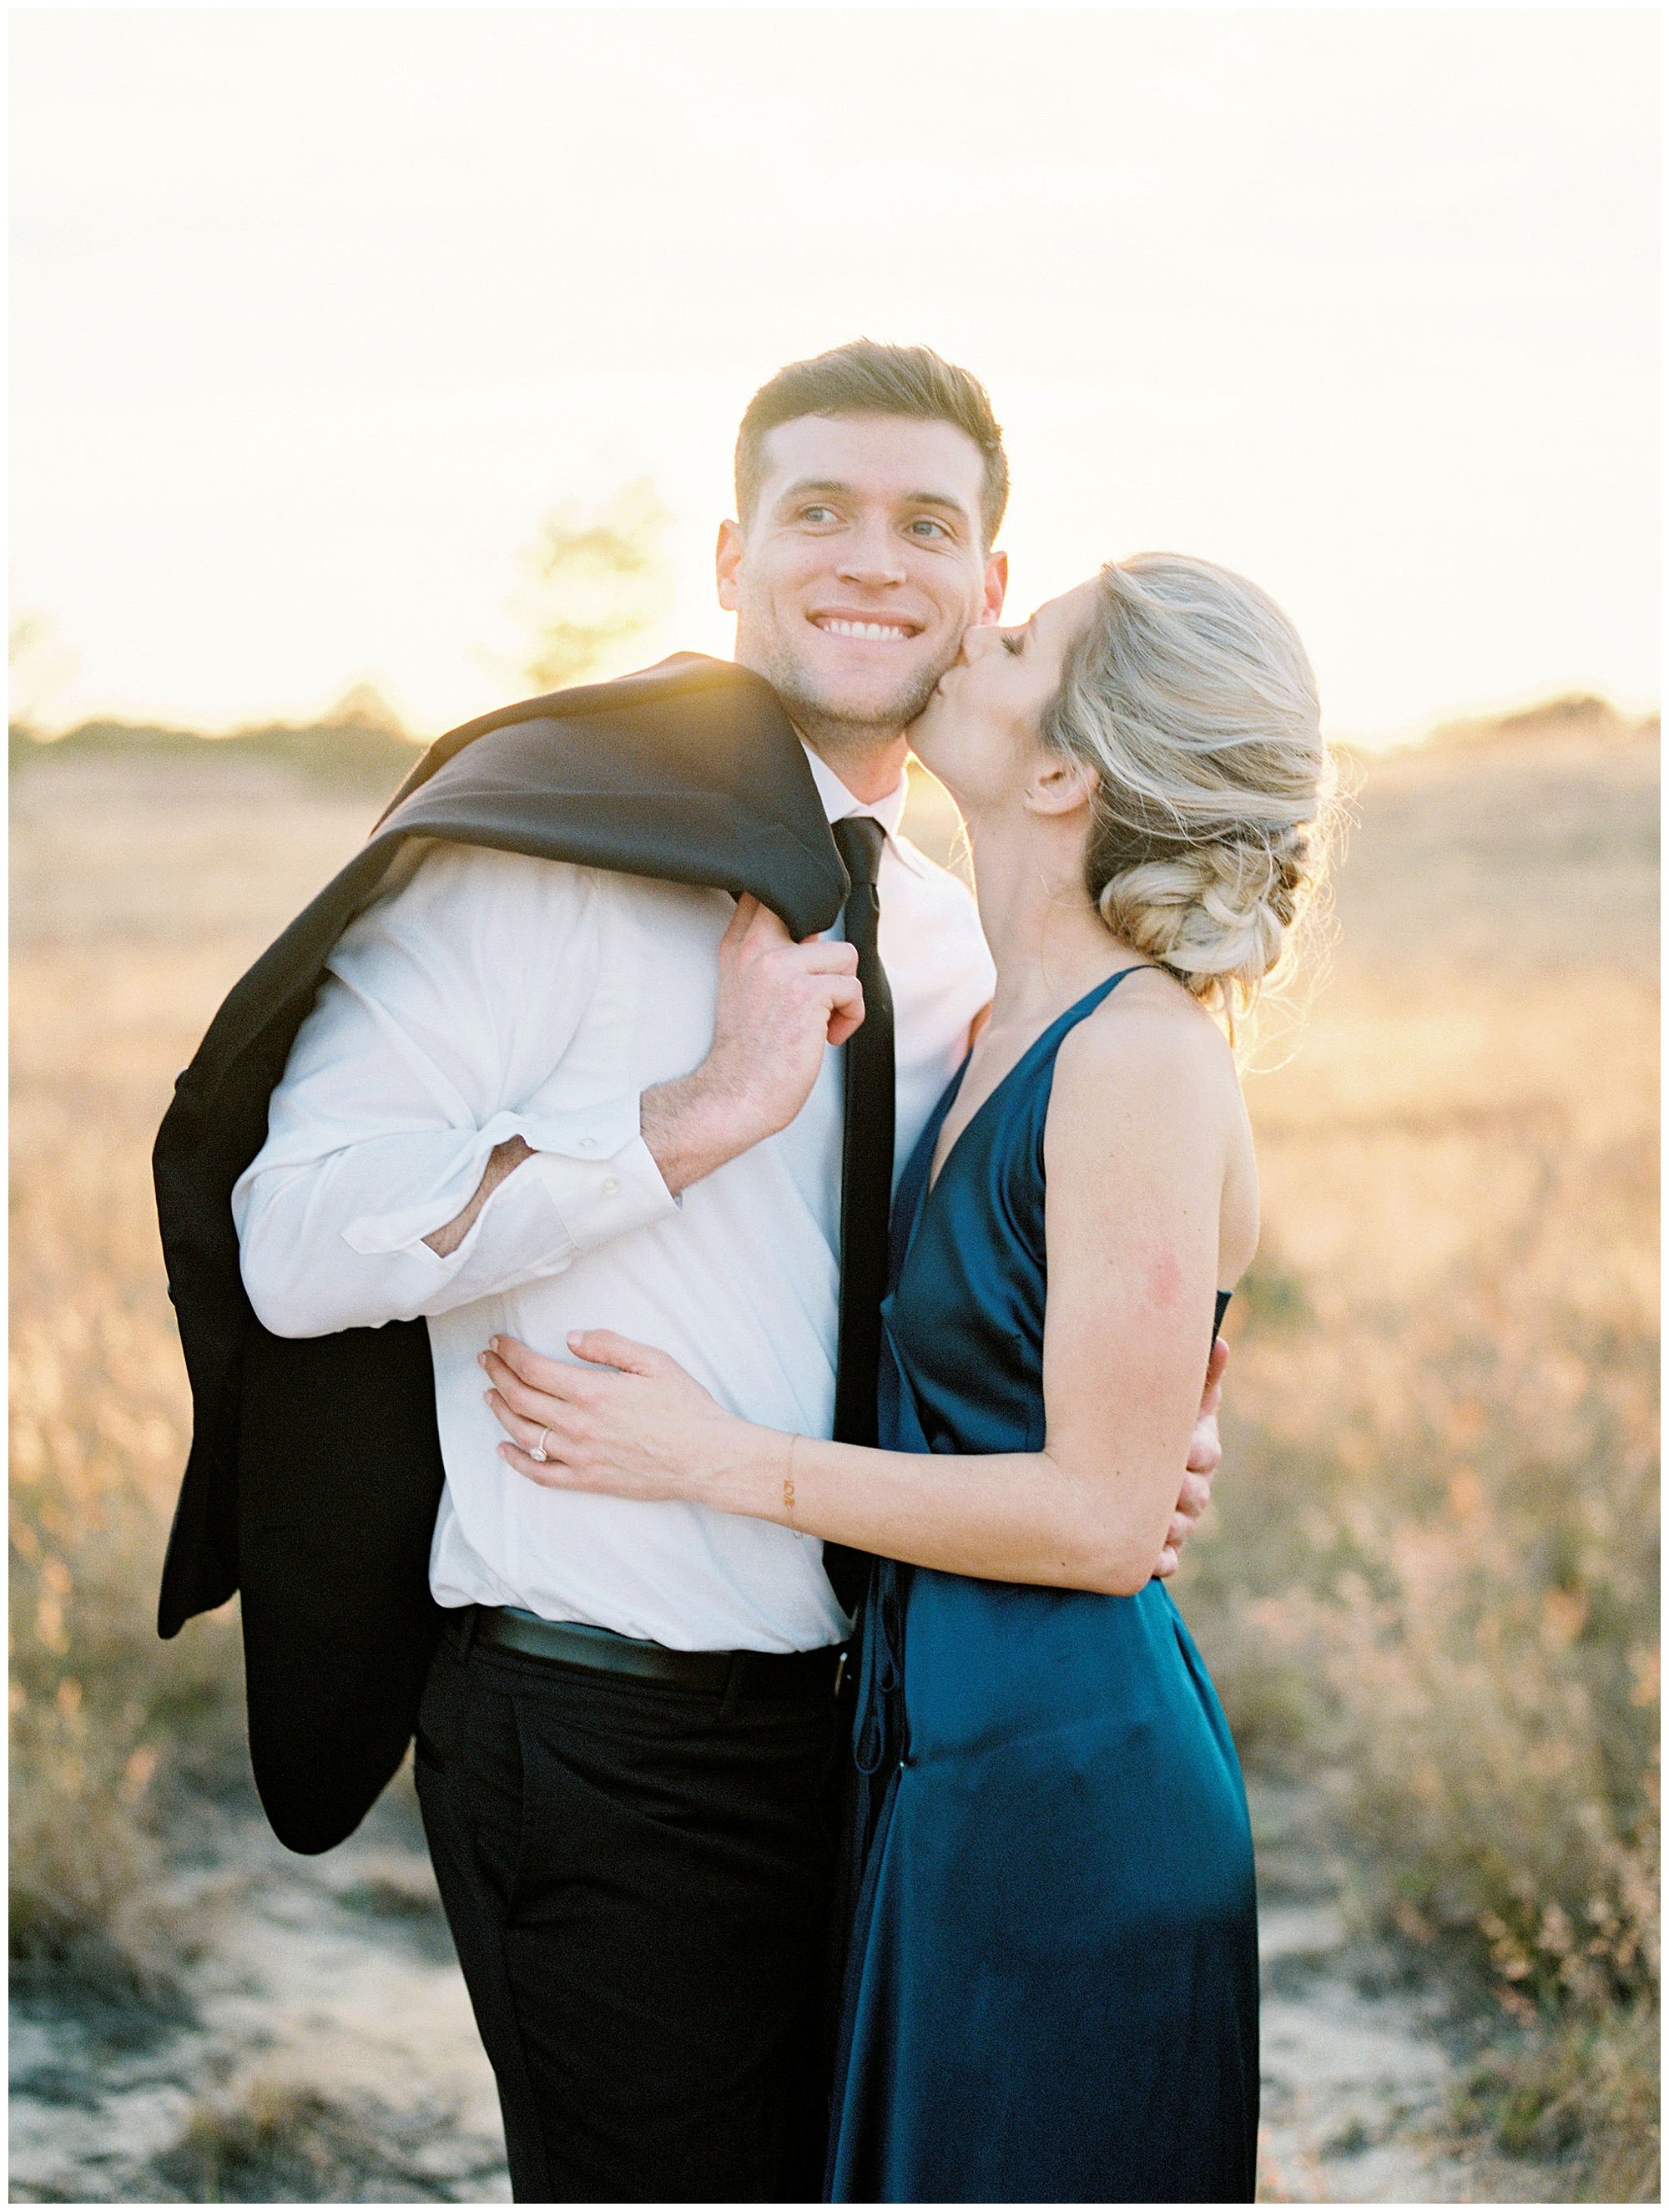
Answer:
(522, 1103)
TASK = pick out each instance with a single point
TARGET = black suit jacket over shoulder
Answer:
(315, 1471)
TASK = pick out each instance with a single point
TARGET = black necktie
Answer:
(866, 1169)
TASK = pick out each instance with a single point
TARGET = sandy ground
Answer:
(331, 2055)
(1360, 2060)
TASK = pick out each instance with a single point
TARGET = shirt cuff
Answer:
(598, 1174)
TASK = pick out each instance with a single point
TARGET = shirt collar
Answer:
(839, 802)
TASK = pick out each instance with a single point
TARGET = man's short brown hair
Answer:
(867, 379)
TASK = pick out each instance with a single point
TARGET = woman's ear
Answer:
(1059, 784)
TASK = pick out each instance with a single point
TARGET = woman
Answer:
(1052, 1985)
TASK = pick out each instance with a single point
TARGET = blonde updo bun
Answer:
(1189, 693)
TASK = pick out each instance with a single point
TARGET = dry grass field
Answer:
(1434, 1577)
(1429, 1593)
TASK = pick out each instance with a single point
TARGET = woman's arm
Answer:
(1135, 1149)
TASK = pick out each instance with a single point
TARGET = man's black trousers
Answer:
(639, 1882)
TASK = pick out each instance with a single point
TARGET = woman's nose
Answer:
(978, 638)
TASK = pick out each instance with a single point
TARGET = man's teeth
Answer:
(863, 630)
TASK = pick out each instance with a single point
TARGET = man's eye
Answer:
(816, 514)
(925, 525)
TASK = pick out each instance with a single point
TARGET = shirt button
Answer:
(610, 1185)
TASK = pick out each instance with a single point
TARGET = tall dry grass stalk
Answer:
(136, 900)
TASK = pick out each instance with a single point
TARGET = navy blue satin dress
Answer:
(1052, 1985)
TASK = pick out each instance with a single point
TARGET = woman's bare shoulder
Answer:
(1156, 1076)
(1150, 1036)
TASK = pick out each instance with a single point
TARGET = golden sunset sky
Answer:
(316, 313)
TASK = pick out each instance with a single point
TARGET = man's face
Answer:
(860, 566)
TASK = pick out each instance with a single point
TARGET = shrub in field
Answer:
(105, 1721)
(84, 1869)
(1501, 1658)
(1581, 2097)
(271, 2142)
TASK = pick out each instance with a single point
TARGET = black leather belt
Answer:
(787, 1674)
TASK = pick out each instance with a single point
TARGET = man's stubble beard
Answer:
(820, 720)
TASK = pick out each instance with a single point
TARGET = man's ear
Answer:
(726, 560)
(1059, 784)
(996, 586)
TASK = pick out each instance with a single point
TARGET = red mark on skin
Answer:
(1164, 1280)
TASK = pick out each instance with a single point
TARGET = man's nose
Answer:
(870, 555)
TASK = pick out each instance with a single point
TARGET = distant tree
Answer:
(38, 665)
(597, 582)
(365, 706)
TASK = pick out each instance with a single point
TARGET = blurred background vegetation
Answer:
(1434, 1582)
(1429, 1592)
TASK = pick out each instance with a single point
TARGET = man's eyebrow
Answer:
(946, 500)
(833, 486)
(812, 484)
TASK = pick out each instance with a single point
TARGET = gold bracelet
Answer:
(788, 1488)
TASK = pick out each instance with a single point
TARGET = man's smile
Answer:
(865, 626)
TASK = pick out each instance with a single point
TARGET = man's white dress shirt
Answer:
(489, 994)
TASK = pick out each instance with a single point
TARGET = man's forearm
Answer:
(501, 1161)
(692, 1125)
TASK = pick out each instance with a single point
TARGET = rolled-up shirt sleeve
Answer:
(444, 1009)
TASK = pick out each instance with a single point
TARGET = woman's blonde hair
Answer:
(1190, 696)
